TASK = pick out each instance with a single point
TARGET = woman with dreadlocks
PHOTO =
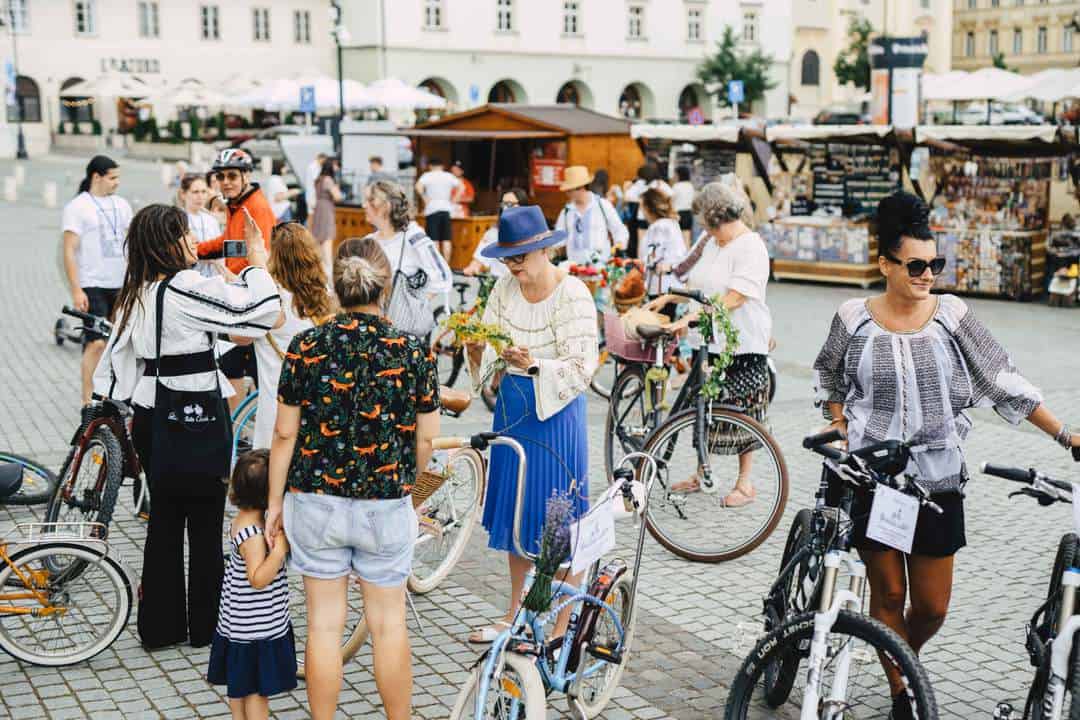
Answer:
(161, 359)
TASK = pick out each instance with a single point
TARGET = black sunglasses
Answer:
(916, 268)
(515, 259)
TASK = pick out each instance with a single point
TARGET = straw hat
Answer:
(574, 177)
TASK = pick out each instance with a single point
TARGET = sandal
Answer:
(738, 497)
(487, 635)
(691, 484)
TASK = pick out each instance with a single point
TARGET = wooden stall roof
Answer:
(559, 119)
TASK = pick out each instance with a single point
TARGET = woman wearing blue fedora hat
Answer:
(551, 318)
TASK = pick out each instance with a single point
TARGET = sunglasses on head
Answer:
(917, 267)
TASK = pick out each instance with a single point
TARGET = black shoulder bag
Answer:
(192, 434)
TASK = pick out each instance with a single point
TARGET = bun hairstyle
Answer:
(658, 204)
(898, 216)
(362, 276)
(385, 191)
(718, 204)
(98, 165)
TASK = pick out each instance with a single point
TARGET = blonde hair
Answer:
(392, 195)
(362, 274)
(296, 266)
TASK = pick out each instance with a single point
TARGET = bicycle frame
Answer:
(112, 415)
(1068, 623)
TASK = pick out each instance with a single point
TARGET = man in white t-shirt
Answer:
(312, 172)
(95, 225)
(436, 187)
(278, 193)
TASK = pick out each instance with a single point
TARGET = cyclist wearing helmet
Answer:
(232, 168)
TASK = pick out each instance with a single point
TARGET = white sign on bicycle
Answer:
(591, 537)
(893, 516)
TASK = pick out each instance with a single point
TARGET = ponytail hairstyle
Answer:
(98, 165)
(155, 247)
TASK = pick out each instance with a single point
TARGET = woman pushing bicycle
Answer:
(905, 365)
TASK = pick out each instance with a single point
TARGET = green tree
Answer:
(853, 64)
(730, 63)
(999, 62)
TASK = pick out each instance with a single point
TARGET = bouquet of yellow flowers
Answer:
(467, 328)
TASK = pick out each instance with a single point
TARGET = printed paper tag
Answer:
(893, 516)
(591, 537)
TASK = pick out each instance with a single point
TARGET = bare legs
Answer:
(91, 356)
(384, 608)
(252, 707)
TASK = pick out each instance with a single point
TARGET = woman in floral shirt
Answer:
(357, 410)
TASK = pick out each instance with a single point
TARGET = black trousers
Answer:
(167, 614)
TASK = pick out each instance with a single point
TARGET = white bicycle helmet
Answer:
(233, 159)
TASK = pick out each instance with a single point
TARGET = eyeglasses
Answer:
(513, 203)
(916, 267)
(515, 259)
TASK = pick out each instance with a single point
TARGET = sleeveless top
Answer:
(248, 614)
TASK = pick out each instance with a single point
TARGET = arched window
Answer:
(568, 94)
(27, 105)
(811, 68)
(630, 102)
(75, 108)
(502, 92)
(688, 100)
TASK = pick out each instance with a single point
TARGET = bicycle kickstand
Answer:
(412, 606)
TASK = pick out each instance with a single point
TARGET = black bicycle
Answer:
(449, 355)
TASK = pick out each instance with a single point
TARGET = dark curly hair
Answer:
(898, 216)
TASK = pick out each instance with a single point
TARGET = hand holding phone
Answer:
(256, 247)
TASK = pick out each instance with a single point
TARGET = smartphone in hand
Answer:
(234, 249)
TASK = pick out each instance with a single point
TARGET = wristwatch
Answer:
(533, 369)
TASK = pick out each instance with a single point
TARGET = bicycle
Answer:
(1051, 632)
(691, 438)
(809, 617)
(35, 482)
(521, 668)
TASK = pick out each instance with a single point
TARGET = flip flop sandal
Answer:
(487, 635)
(691, 484)
(736, 491)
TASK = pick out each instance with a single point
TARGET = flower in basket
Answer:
(554, 550)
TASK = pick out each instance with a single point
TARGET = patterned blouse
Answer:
(360, 385)
(915, 386)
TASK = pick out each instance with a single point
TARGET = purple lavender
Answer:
(554, 550)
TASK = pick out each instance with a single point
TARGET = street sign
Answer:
(695, 116)
(735, 92)
(307, 99)
(474, 94)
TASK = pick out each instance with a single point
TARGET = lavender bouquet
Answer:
(554, 550)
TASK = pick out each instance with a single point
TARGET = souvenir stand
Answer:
(827, 180)
(989, 188)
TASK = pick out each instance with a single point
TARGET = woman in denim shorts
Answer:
(357, 409)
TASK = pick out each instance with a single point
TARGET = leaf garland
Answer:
(713, 321)
(468, 329)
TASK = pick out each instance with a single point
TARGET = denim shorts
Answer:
(329, 537)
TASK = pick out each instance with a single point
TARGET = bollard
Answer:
(50, 193)
(20, 173)
(11, 189)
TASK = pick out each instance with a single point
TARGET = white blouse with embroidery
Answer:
(560, 333)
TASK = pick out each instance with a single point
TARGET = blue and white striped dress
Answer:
(247, 614)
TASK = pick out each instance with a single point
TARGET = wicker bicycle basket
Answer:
(427, 484)
(624, 304)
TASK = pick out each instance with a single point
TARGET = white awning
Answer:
(1003, 133)
(985, 84)
(820, 133)
(1052, 85)
(686, 133)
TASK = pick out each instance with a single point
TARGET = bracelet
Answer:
(1064, 437)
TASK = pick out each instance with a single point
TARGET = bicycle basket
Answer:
(625, 348)
(427, 484)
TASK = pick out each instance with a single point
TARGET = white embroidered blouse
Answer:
(560, 333)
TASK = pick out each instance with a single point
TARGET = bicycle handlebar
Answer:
(68, 310)
(815, 441)
(1043, 488)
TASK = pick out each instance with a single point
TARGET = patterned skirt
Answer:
(746, 387)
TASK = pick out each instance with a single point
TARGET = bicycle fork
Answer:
(1067, 623)
(832, 601)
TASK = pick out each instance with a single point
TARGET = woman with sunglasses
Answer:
(905, 365)
(480, 264)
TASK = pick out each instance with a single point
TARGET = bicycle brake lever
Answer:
(1043, 499)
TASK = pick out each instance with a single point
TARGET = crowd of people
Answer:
(349, 397)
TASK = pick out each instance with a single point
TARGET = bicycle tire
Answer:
(798, 632)
(594, 383)
(1066, 556)
(595, 705)
(243, 439)
(531, 687)
(1074, 684)
(106, 489)
(615, 425)
(83, 555)
(38, 484)
(440, 350)
(671, 427)
(475, 466)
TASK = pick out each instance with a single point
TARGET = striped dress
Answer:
(248, 614)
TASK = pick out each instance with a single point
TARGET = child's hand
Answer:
(281, 543)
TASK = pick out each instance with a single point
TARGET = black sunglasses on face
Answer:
(219, 176)
(916, 268)
(515, 259)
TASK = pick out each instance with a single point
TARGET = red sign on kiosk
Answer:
(546, 173)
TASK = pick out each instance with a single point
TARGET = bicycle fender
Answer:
(590, 614)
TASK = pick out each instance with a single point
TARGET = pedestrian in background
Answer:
(481, 264)
(311, 174)
(278, 193)
(682, 199)
(358, 409)
(648, 177)
(436, 188)
(323, 221)
(95, 224)
(376, 172)
(464, 194)
(592, 226)
(194, 195)
(662, 246)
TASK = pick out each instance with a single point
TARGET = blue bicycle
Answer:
(243, 422)
(523, 666)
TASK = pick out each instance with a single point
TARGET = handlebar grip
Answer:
(449, 443)
(1059, 484)
(816, 441)
(1009, 473)
(692, 294)
(831, 453)
(68, 310)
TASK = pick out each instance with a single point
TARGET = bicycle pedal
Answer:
(605, 653)
(524, 647)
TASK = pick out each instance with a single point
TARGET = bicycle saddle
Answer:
(652, 332)
(889, 457)
(454, 401)
(11, 475)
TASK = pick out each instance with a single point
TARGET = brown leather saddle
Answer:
(454, 401)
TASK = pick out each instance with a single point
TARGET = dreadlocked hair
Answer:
(296, 266)
(155, 247)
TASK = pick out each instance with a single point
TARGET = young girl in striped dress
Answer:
(253, 652)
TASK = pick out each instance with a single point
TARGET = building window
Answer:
(1067, 39)
(995, 3)
(925, 4)
(262, 24)
(302, 27)
(1018, 41)
(85, 17)
(636, 28)
(20, 18)
(993, 44)
(434, 17)
(1019, 3)
(695, 24)
(630, 104)
(211, 28)
(571, 18)
(811, 68)
(504, 15)
(972, 4)
(148, 20)
(969, 45)
(1040, 40)
(750, 27)
(27, 105)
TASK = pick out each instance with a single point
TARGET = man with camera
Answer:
(232, 169)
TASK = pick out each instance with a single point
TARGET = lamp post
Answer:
(340, 34)
(20, 146)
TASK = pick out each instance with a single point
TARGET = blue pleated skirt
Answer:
(552, 447)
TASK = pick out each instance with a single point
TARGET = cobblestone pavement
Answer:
(697, 620)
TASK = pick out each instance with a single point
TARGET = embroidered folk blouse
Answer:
(560, 333)
(915, 386)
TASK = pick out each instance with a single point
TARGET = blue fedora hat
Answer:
(522, 230)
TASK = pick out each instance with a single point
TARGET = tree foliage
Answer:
(853, 64)
(730, 63)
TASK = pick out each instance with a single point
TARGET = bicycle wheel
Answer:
(87, 610)
(606, 372)
(518, 694)
(865, 692)
(38, 482)
(356, 629)
(490, 391)
(627, 424)
(89, 482)
(243, 430)
(695, 524)
(447, 519)
(1065, 558)
(601, 677)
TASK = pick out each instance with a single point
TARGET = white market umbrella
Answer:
(942, 87)
(109, 86)
(284, 94)
(985, 84)
(190, 94)
(1053, 85)
(393, 94)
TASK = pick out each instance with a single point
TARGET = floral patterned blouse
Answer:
(360, 385)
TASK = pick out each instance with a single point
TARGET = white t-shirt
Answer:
(666, 239)
(741, 265)
(205, 227)
(437, 186)
(269, 369)
(312, 173)
(275, 184)
(640, 187)
(682, 195)
(101, 224)
(497, 268)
